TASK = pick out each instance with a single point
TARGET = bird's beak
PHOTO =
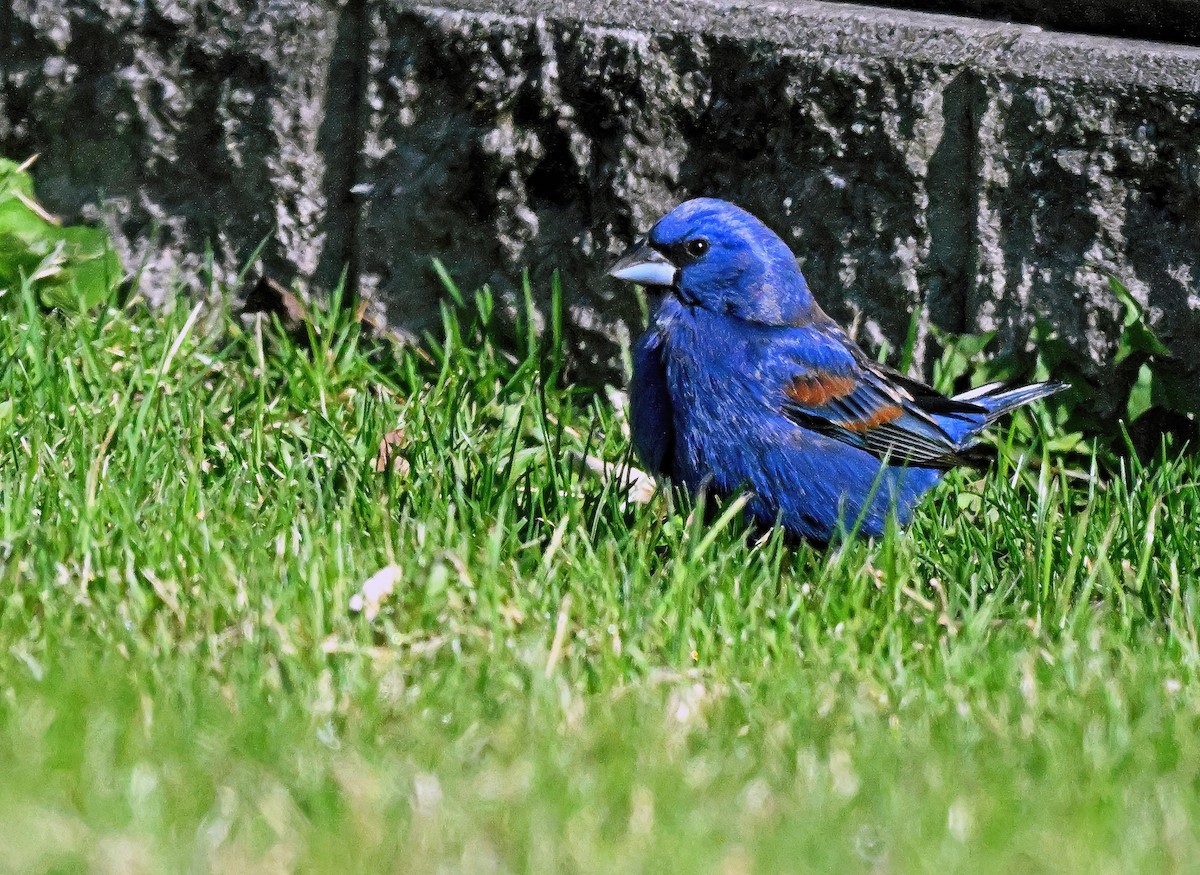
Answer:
(644, 266)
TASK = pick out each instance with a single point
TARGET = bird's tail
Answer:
(997, 400)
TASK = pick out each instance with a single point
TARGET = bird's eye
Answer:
(696, 248)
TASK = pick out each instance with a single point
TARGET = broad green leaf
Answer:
(1141, 395)
(13, 179)
(1141, 338)
(71, 267)
(1133, 310)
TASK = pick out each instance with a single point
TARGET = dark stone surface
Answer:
(984, 174)
(184, 123)
(1176, 21)
(988, 174)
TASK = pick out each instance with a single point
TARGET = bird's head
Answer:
(715, 255)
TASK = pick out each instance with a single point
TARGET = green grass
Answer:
(561, 681)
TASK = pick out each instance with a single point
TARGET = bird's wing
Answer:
(832, 388)
(651, 421)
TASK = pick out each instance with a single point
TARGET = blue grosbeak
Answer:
(742, 381)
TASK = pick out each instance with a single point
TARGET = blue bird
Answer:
(741, 381)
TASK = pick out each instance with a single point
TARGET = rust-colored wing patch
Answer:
(882, 416)
(817, 390)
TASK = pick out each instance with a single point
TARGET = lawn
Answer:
(560, 679)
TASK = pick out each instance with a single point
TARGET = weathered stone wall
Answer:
(987, 173)
(184, 124)
(1176, 21)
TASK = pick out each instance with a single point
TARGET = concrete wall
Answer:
(987, 173)
(185, 123)
(1176, 21)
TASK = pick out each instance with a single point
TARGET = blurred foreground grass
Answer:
(558, 679)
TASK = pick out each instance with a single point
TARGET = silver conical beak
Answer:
(644, 266)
